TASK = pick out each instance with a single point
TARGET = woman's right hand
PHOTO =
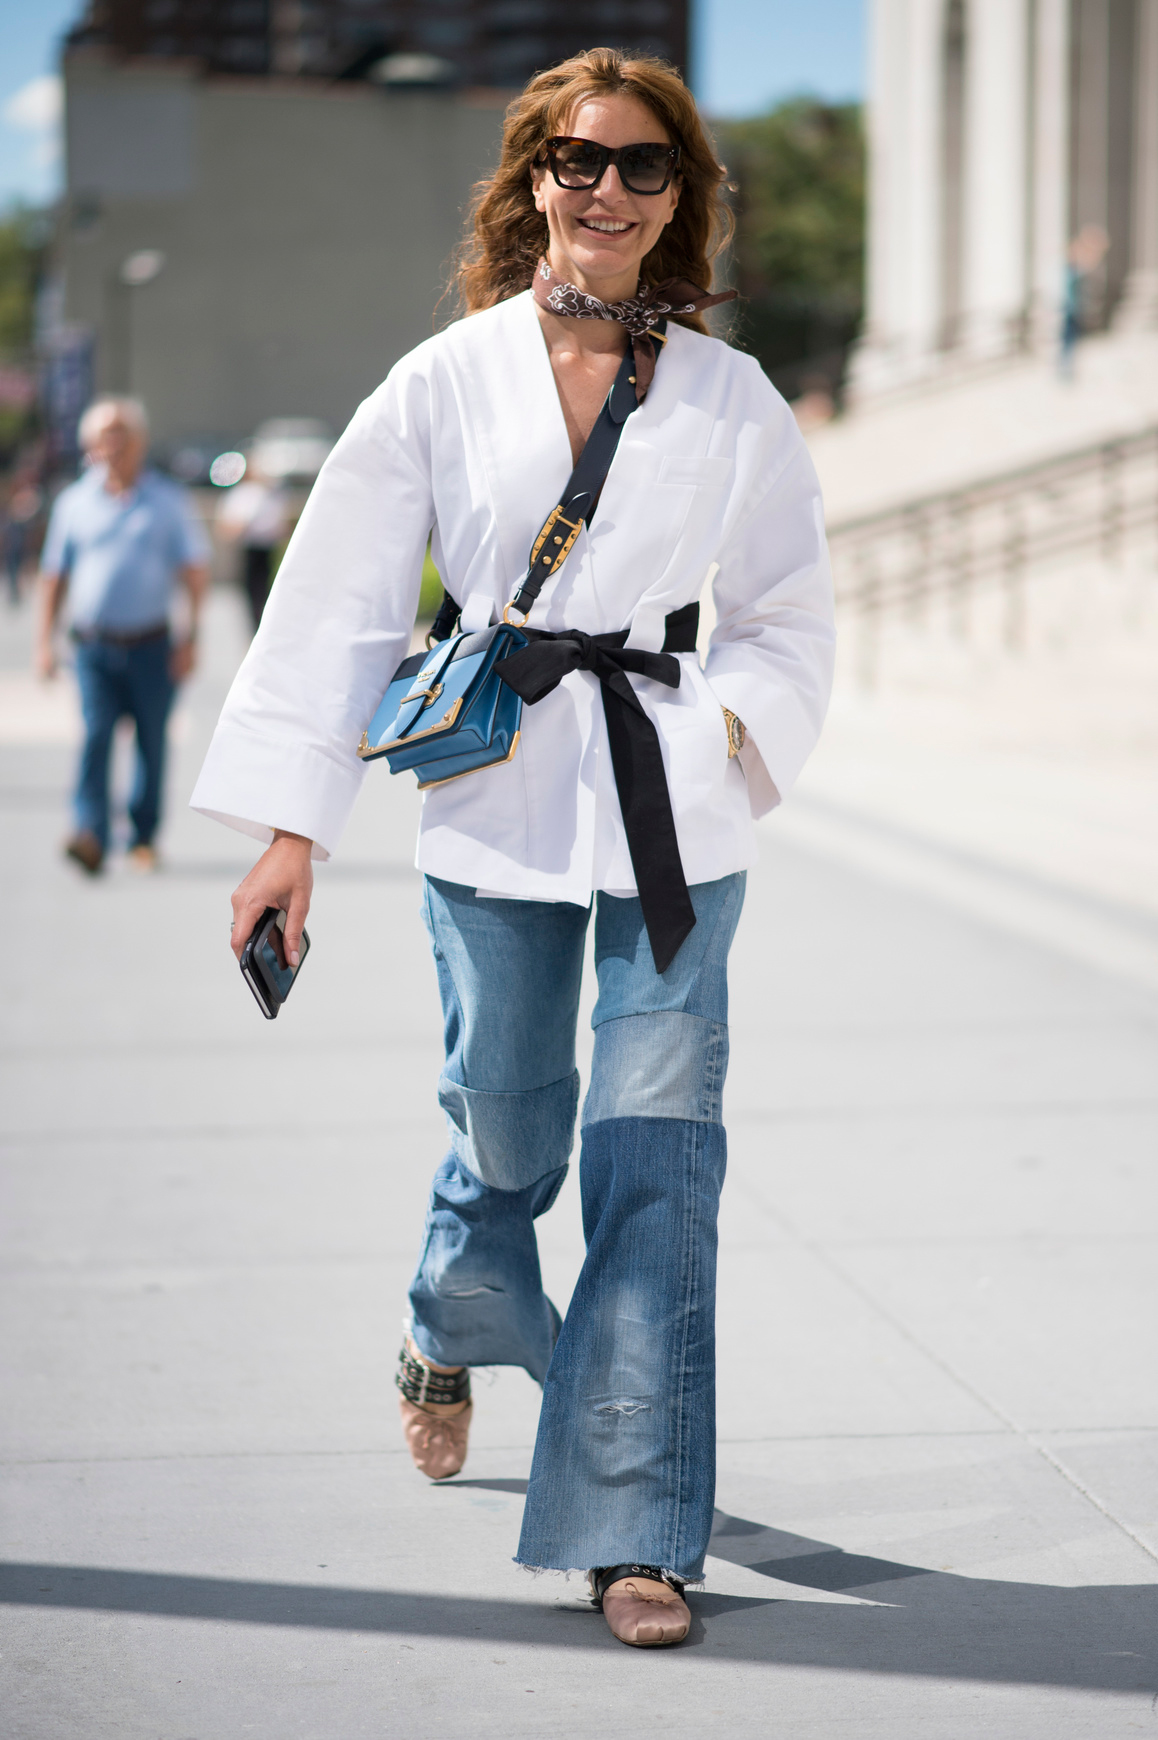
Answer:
(284, 877)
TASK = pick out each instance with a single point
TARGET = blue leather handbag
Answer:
(448, 712)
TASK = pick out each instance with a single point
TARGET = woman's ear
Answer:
(537, 173)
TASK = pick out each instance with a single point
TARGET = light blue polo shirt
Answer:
(121, 554)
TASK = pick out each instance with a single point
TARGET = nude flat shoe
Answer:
(437, 1443)
(638, 1612)
(436, 1438)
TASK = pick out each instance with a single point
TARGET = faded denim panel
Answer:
(508, 977)
(695, 982)
(666, 1065)
(511, 1140)
(477, 1297)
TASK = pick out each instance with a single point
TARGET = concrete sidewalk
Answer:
(938, 1408)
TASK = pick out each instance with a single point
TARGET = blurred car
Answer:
(190, 461)
(290, 450)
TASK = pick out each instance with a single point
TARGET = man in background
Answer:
(120, 541)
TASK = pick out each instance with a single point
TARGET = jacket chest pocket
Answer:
(699, 473)
(650, 502)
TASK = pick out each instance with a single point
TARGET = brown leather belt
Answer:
(101, 637)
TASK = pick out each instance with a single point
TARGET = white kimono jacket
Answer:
(465, 441)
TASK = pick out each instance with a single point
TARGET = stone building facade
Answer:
(295, 235)
(1000, 130)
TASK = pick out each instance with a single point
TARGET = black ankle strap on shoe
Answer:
(601, 1580)
(419, 1384)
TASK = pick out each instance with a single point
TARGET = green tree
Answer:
(23, 236)
(21, 252)
(798, 256)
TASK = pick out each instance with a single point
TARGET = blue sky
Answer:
(749, 54)
(746, 55)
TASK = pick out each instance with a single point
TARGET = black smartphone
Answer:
(264, 966)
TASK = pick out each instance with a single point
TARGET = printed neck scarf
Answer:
(638, 313)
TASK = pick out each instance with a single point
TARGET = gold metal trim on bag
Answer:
(451, 777)
(366, 749)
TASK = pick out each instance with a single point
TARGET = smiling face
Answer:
(599, 235)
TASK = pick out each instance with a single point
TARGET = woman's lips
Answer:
(595, 226)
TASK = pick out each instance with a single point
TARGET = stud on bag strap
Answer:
(559, 530)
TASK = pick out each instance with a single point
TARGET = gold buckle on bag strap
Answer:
(561, 541)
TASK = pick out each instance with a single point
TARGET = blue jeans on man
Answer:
(121, 680)
(624, 1466)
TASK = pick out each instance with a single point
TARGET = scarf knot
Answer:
(638, 314)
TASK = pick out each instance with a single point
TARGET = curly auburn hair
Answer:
(506, 235)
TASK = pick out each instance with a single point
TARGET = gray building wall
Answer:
(306, 231)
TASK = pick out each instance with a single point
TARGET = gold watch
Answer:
(736, 733)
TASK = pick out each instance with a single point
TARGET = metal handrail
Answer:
(1092, 497)
(1065, 464)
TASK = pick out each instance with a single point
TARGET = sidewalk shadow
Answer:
(923, 1623)
(937, 1623)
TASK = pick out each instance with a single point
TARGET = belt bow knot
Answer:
(636, 759)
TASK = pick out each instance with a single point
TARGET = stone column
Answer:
(903, 291)
(1138, 309)
(994, 266)
(1049, 178)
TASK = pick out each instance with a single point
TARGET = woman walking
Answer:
(631, 788)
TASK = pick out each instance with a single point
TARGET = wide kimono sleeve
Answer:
(337, 624)
(770, 657)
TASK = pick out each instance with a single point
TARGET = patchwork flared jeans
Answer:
(624, 1466)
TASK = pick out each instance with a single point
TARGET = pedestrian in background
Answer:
(19, 520)
(598, 227)
(1084, 255)
(120, 540)
(254, 514)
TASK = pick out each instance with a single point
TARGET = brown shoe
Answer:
(85, 849)
(436, 1442)
(641, 1606)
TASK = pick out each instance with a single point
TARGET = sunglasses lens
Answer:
(576, 163)
(645, 168)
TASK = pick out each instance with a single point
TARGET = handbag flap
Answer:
(427, 694)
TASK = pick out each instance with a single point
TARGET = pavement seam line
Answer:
(824, 1256)
(979, 1396)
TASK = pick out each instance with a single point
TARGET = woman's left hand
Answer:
(283, 877)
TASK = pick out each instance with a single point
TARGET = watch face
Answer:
(735, 734)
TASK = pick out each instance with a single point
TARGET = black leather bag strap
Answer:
(560, 529)
(445, 622)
